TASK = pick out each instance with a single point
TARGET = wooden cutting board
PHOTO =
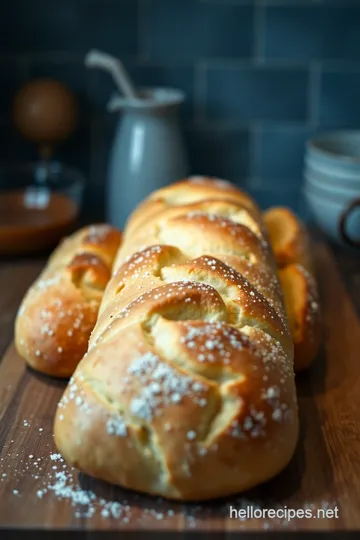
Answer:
(37, 489)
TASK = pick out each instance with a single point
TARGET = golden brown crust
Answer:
(59, 311)
(291, 247)
(288, 238)
(188, 381)
(190, 193)
(303, 311)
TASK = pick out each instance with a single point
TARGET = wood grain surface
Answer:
(37, 489)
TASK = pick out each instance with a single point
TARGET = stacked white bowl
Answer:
(332, 184)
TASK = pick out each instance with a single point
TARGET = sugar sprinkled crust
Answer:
(59, 311)
(191, 353)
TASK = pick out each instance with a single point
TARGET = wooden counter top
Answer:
(324, 473)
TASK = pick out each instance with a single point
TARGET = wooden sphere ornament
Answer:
(45, 112)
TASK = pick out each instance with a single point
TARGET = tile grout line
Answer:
(314, 89)
(102, 124)
(200, 93)
(274, 123)
(259, 28)
(142, 37)
(24, 65)
(54, 57)
(89, 75)
(227, 2)
(246, 63)
(93, 153)
(310, 3)
(59, 57)
(255, 131)
(275, 3)
(276, 63)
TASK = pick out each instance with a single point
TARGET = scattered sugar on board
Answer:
(63, 485)
(87, 503)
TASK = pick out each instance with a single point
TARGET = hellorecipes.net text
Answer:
(283, 513)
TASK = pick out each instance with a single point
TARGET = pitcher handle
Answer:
(343, 220)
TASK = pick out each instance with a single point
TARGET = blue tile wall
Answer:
(101, 135)
(281, 154)
(260, 76)
(221, 153)
(76, 151)
(68, 25)
(339, 105)
(312, 32)
(12, 75)
(241, 95)
(189, 30)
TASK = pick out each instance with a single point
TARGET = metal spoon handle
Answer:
(98, 59)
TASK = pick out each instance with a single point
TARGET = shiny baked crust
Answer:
(187, 389)
(288, 238)
(291, 246)
(303, 312)
(58, 313)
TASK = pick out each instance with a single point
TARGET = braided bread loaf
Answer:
(58, 313)
(187, 390)
(291, 246)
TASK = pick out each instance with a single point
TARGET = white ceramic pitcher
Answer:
(148, 150)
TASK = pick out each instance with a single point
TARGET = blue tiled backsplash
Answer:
(260, 76)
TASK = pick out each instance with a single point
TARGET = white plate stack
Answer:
(332, 184)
